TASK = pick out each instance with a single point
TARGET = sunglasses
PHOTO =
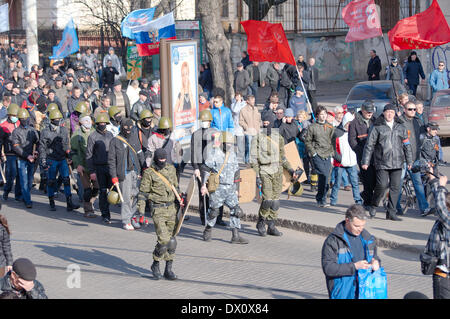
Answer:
(411, 109)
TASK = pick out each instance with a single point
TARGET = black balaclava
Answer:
(125, 127)
(267, 118)
(160, 154)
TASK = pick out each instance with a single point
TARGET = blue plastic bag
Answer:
(372, 284)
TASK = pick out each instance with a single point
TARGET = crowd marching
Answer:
(74, 123)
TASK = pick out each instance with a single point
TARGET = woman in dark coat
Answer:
(412, 69)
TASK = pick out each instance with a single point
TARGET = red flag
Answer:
(362, 18)
(267, 42)
(421, 31)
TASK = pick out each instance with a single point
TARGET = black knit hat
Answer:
(25, 269)
(160, 154)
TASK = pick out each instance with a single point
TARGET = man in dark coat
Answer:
(374, 67)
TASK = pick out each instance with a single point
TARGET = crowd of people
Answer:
(73, 121)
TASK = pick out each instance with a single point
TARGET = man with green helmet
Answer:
(78, 143)
(24, 141)
(97, 161)
(222, 165)
(163, 138)
(201, 143)
(54, 150)
(80, 108)
(7, 154)
(143, 129)
(115, 116)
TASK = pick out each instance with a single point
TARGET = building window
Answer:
(225, 9)
(279, 10)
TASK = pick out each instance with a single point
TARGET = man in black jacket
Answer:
(389, 144)
(108, 76)
(125, 159)
(24, 141)
(199, 148)
(54, 151)
(358, 131)
(97, 161)
(374, 67)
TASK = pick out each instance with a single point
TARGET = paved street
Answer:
(81, 258)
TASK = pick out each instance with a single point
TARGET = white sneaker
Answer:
(128, 227)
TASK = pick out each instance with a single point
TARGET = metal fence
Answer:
(321, 16)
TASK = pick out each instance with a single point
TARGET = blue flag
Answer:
(68, 43)
(134, 19)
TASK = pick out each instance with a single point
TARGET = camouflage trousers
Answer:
(271, 191)
(164, 219)
(224, 195)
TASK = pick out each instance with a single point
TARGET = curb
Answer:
(320, 230)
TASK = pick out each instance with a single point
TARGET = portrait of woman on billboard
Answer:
(185, 98)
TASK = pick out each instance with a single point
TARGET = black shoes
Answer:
(372, 211)
(236, 238)
(168, 273)
(392, 217)
(156, 271)
(272, 230)
(52, 204)
(261, 226)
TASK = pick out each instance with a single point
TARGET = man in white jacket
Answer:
(344, 159)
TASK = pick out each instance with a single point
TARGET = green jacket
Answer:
(267, 153)
(155, 188)
(318, 140)
(78, 144)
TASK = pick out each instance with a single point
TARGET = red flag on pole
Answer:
(267, 42)
(421, 31)
(362, 18)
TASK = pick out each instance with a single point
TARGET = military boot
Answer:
(272, 230)
(236, 238)
(168, 273)
(261, 226)
(70, 205)
(156, 271)
(52, 203)
(88, 210)
(207, 233)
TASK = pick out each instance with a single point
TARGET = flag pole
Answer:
(392, 80)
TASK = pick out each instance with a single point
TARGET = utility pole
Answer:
(32, 32)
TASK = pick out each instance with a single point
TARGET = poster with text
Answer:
(184, 89)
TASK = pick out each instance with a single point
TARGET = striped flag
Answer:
(148, 35)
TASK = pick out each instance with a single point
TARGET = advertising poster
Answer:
(184, 90)
(134, 63)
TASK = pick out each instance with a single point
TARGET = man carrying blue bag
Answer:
(350, 261)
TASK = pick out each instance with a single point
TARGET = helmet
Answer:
(102, 118)
(113, 110)
(296, 189)
(145, 114)
(55, 114)
(113, 197)
(13, 109)
(81, 107)
(165, 123)
(23, 114)
(205, 115)
(52, 107)
(227, 137)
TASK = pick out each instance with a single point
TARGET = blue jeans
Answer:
(63, 169)
(354, 181)
(248, 145)
(345, 177)
(26, 174)
(418, 189)
(11, 175)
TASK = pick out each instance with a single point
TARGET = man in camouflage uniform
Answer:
(162, 201)
(223, 161)
(268, 160)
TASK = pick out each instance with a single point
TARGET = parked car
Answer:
(380, 92)
(440, 112)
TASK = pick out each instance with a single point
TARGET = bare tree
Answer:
(217, 46)
(258, 9)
